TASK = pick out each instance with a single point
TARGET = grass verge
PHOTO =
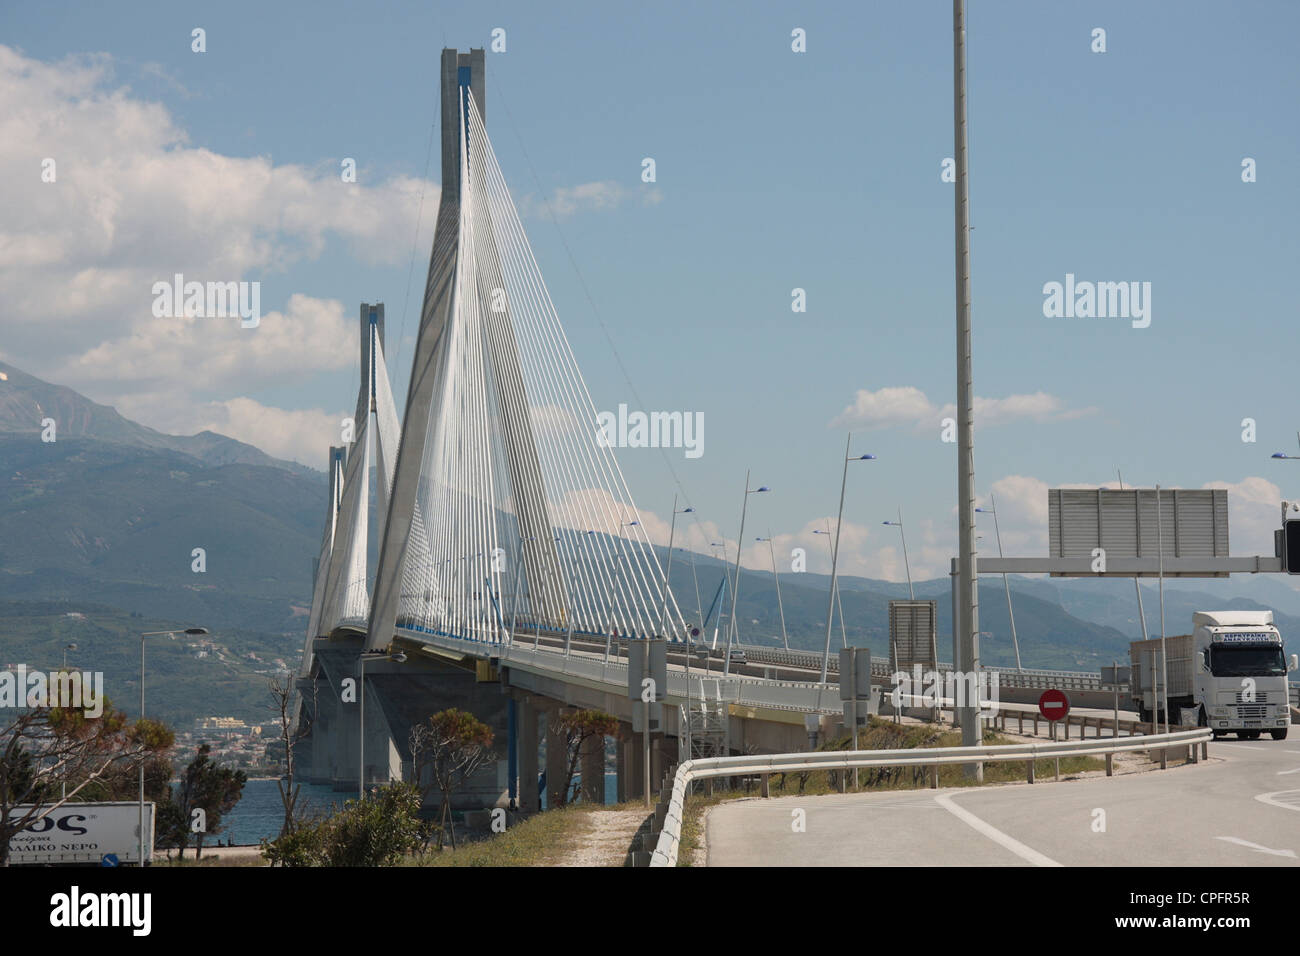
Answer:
(540, 840)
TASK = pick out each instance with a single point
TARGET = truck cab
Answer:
(1239, 673)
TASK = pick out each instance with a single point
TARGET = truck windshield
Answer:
(1247, 661)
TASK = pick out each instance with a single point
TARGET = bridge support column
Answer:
(526, 717)
(593, 769)
(633, 769)
(620, 765)
(660, 761)
(557, 759)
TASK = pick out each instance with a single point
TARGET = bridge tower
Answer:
(462, 90)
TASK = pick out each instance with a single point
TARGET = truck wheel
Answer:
(1248, 735)
(1279, 734)
(1144, 715)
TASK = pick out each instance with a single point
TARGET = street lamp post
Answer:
(835, 552)
(735, 589)
(993, 510)
(839, 599)
(699, 606)
(1137, 588)
(714, 546)
(193, 631)
(672, 530)
(1278, 454)
(1164, 672)
(785, 640)
(906, 565)
(911, 595)
(397, 657)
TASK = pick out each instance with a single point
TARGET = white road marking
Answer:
(1257, 848)
(1292, 803)
(1029, 854)
(1283, 773)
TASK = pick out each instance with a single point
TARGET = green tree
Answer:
(52, 755)
(295, 726)
(374, 832)
(449, 749)
(205, 786)
(577, 727)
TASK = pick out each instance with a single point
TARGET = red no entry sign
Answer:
(1054, 705)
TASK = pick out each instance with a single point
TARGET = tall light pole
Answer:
(1164, 667)
(835, 552)
(735, 589)
(397, 657)
(785, 640)
(194, 632)
(993, 510)
(699, 606)
(911, 594)
(1142, 614)
(663, 617)
(714, 546)
(839, 600)
(1278, 454)
(967, 584)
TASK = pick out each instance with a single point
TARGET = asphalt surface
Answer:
(1241, 808)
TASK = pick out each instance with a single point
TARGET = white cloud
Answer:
(1254, 512)
(134, 203)
(301, 435)
(886, 407)
(604, 195)
(218, 354)
(893, 406)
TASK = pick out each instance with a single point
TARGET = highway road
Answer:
(1241, 808)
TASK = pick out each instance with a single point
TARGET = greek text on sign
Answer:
(1255, 637)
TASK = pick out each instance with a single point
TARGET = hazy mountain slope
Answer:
(25, 400)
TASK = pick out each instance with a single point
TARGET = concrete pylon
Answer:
(463, 72)
(434, 316)
(320, 570)
(557, 758)
(371, 317)
(526, 717)
(593, 769)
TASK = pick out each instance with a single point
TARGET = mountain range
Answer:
(104, 521)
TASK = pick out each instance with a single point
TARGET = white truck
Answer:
(1230, 670)
(81, 833)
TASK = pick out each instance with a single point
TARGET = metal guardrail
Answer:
(665, 852)
(799, 696)
(881, 667)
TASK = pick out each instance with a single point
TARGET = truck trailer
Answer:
(1230, 670)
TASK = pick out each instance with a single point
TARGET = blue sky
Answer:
(775, 170)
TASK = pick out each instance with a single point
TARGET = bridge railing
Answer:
(665, 852)
(748, 689)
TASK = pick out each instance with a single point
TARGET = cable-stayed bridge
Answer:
(501, 512)
(513, 573)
